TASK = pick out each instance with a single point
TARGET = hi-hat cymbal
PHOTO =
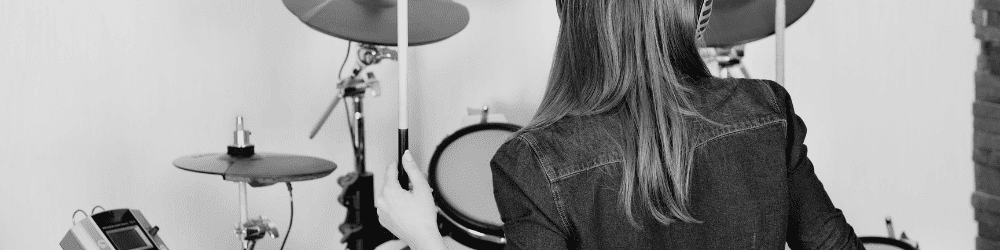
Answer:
(735, 22)
(260, 169)
(374, 21)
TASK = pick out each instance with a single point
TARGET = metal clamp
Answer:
(729, 59)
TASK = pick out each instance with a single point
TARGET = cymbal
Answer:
(374, 21)
(735, 22)
(260, 169)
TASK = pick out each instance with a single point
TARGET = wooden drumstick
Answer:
(403, 42)
(779, 43)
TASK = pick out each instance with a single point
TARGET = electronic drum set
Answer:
(468, 212)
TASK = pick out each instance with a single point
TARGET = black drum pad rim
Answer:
(443, 205)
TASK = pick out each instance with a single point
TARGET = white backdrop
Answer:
(885, 88)
(98, 98)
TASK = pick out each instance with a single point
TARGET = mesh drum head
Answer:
(461, 177)
(464, 174)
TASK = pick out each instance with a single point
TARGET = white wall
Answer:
(501, 59)
(885, 88)
(98, 98)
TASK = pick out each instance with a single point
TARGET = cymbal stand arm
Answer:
(367, 55)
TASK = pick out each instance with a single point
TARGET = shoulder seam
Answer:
(777, 100)
(738, 131)
(602, 161)
(553, 188)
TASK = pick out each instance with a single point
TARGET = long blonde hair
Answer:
(632, 55)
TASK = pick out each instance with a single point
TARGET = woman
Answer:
(636, 146)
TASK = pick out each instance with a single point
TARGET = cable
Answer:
(95, 208)
(340, 73)
(291, 215)
(78, 211)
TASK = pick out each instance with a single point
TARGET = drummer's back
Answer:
(738, 188)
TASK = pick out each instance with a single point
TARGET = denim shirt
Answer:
(752, 186)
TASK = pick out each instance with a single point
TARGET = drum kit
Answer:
(373, 24)
(459, 169)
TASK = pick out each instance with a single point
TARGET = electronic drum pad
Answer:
(882, 243)
(463, 183)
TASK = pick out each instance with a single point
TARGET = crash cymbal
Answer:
(241, 164)
(374, 21)
(735, 22)
(260, 169)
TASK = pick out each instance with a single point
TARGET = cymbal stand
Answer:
(361, 229)
(730, 59)
(249, 230)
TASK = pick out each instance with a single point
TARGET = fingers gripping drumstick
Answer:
(419, 185)
(403, 42)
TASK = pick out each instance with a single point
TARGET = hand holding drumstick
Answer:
(410, 215)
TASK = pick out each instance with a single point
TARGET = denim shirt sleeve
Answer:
(524, 198)
(813, 221)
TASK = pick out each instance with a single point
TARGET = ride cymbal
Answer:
(735, 22)
(374, 21)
